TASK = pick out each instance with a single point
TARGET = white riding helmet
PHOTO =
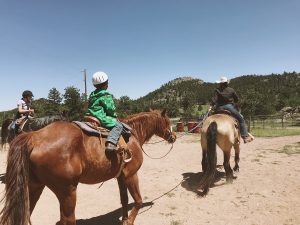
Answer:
(99, 78)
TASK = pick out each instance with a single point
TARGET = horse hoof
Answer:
(125, 222)
(236, 169)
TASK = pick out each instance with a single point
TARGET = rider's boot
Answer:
(110, 147)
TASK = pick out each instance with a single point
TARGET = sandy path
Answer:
(267, 190)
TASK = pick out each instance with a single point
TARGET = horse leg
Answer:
(124, 198)
(236, 147)
(67, 202)
(133, 187)
(226, 164)
(35, 191)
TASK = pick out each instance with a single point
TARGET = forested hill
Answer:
(259, 95)
(184, 97)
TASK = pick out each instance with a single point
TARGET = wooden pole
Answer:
(85, 90)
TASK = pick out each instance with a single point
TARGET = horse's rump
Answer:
(221, 130)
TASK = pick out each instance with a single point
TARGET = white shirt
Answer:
(23, 104)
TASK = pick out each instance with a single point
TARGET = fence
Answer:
(260, 121)
(273, 121)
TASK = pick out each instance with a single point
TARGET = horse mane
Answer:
(144, 123)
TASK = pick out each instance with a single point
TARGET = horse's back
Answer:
(226, 128)
(224, 122)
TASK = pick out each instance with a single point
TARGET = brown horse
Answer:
(61, 155)
(221, 130)
(8, 134)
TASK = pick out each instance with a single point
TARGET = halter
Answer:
(168, 135)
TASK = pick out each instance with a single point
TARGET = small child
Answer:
(102, 106)
(24, 109)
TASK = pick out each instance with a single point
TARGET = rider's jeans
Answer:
(115, 133)
(238, 116)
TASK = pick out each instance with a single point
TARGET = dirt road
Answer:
(266, 191)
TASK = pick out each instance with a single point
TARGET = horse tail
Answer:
(4, 131)
(16, 208)
(211, 156)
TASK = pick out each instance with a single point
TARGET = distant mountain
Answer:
(188, 96)
(259, 94)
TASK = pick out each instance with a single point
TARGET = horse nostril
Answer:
(173, 138)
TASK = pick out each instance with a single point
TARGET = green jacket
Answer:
(102, 106)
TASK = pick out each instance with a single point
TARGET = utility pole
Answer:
(85, 90)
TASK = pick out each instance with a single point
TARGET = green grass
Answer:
(275, 132)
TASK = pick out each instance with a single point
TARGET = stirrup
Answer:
(127, 155)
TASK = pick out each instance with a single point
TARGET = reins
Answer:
(158, 157)
(188, 132)
(185, 133)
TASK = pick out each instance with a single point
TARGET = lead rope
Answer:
(163, 195)
(158, 157)
(189, 131)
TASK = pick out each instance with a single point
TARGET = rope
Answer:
(189, 131)
(152, 201)
(198, 125)
(158, 157)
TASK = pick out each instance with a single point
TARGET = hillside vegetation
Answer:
(259, 95)
(185, 97)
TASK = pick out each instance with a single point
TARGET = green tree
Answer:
(73, 104)
(40, 107)
(124, 106)
(54, 101)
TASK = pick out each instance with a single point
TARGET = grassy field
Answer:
(275, 132)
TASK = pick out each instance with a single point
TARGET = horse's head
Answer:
(164, 127)
(147, 124)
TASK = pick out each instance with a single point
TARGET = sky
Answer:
(141, 44)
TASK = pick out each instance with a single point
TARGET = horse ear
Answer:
(150, 110)
(163, 113)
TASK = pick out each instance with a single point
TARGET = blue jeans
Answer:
(238, 116)
(115, 133)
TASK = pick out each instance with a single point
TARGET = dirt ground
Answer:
(266, 191)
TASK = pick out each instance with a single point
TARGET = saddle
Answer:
(236, 124)
(19, 124)
(92, 126)
(226, 112)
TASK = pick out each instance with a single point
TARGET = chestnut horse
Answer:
(221, 130)
(61, 155)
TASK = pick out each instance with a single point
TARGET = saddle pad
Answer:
(87, 128)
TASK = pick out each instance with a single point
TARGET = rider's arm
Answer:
(235, 97)
(214, 99)
(25, 110)
(20, 110)
(110, 108)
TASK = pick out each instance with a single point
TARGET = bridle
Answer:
(169, 136)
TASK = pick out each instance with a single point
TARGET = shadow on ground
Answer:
(111, 218)
(192, 180)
